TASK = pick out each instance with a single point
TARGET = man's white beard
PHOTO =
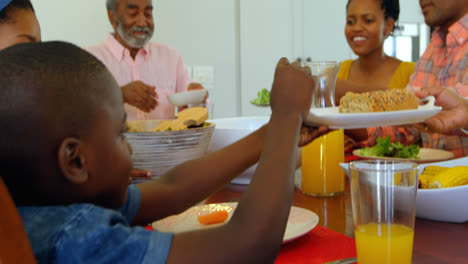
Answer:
(130, 39)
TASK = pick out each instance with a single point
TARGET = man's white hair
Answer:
(111, 5)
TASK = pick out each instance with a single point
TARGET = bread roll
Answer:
(378, 101)
(194, 116)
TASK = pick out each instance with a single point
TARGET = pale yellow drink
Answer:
(321, 171)
(384, 243)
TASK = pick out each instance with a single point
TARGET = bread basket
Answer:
(158, 152)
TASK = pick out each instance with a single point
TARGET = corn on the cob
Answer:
(428, 174)
(452, 177)
(433, 170)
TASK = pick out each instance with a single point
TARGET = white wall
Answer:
(266, 35)
(205, 33)
(410, 12)
(82, 22)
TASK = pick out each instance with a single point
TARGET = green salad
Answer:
(384, 148)
(263, 97)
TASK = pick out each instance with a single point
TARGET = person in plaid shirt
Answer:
(444, 64)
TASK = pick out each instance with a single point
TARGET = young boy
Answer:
(66, 162)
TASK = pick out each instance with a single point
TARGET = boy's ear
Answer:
(72, 161)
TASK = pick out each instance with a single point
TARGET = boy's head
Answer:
(61, 120)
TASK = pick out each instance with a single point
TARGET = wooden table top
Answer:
(434, 242)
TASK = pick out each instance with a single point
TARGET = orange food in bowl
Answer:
(213, 218)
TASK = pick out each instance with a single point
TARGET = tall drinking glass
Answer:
(321, 172)
(383, 195)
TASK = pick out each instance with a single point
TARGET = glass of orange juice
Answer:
(321, 172)
(383, 195)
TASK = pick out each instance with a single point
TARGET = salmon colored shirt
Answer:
(155, 64)
(445, 64)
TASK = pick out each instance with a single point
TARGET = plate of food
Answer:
(425, 155)
(300, 220)
(443, 191)
(386, 150)
(380, 108)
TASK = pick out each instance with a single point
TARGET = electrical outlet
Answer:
(203, 75)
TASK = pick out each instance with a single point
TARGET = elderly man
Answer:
(147, 72)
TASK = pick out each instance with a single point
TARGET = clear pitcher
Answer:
(324, 73)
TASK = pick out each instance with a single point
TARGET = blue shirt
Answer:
(86, 233)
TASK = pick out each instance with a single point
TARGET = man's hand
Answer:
(454, 114)
(310, 133)
(196, 86)
(140, 95)
(292, 89)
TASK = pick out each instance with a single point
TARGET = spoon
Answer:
(343, 261)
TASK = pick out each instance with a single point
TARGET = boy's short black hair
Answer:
(15, 4)
(391, 8)
(48, 91)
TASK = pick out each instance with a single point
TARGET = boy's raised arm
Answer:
(255, 231)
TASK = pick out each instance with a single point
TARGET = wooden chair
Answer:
(14, 243)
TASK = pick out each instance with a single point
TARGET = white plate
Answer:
(300, 220)
(425, 155)
(447, 204)
(186, 98)
(333, 119)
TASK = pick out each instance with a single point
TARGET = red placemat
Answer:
(318, 246)
(351, 157)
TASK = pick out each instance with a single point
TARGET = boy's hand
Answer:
(454, 114)
(292, 89)
(137, 173)
(140, 95)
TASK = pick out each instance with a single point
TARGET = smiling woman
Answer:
(368, 24)
(18, 23)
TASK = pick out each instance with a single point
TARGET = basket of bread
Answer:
(159, 145)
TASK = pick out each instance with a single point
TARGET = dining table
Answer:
(434, 242)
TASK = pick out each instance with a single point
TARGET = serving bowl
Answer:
(230, 130)
(161, 151)
(187, 98)
(446, 204)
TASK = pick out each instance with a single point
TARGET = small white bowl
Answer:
(446, 204)
(186, 98)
